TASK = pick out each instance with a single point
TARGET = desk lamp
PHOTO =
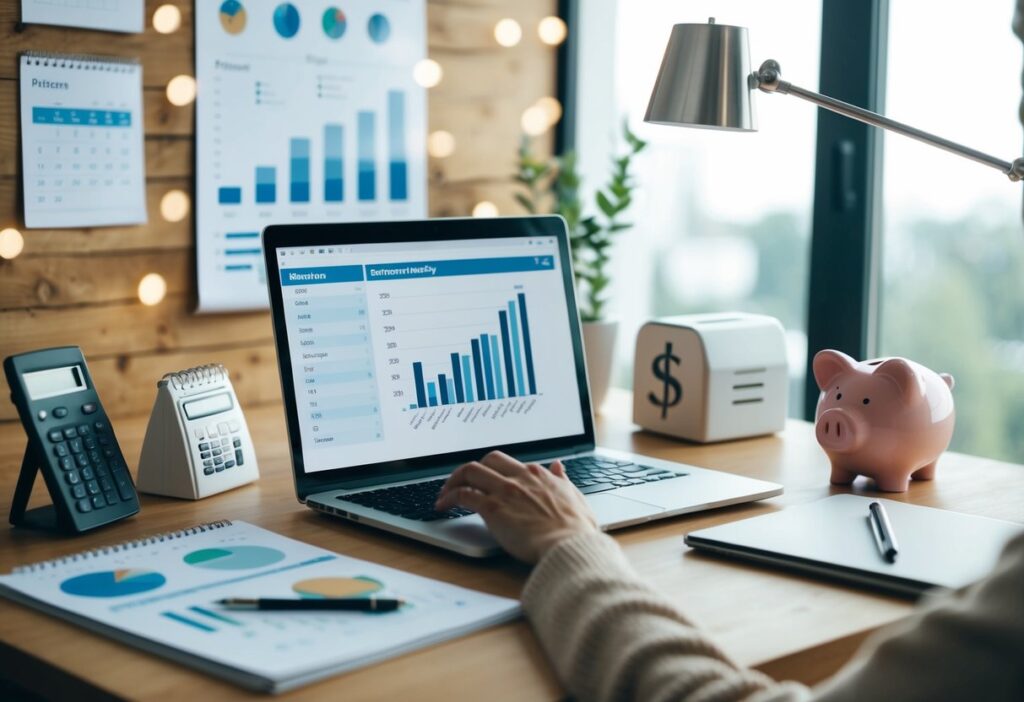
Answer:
(705, 81)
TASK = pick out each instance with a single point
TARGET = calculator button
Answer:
(211, 430)
(55, 435)
(208, 470)
(108, 452)
(102, 470)
(218, 468)
(98, 501)
(238, 457)
(205, 454)
(84, 430)
(225, 441)
(111, 497)
(235, 426)
(66, 463)
(60, 450)
(98, 426)
(104, 440)
(89, 408)
(87, 473)
(72, 478)
(106, 485)
(237, 443)
(84, 506)
(200, 433)
(60, 412)
(70, 432)
(229, 464)
(81, 459)
(78, 491)
(222, 427)
(218, 461)
(42, 415)
(124, 487)
(95, 457)
(208, 462)
(90, 442)
(217, 452)
(75, 445)
(93, 487)
(204, 446)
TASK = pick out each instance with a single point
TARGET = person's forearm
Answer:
(611, 637)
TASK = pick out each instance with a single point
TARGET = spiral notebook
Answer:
(82, 141)
(158, 594)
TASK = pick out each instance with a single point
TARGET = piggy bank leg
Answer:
(893, 483)
(925, 472)
(841, 476)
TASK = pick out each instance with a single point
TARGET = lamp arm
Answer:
(769, 79)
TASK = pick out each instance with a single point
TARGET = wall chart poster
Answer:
(307, 112)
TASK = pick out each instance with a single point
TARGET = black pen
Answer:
(351, 604)
(885, 537)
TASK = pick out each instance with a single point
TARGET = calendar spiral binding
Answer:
(200, 375)
(88, 62)
(123, 546)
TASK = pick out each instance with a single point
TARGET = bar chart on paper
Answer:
(302, 116)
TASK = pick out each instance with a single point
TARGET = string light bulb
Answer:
(152, 289)
(427, 73)
(534, 120)
(485, 208)
(181, 90)
(441, 144)
(12, 243)
(167, 19)
(552, 30)
(552, 109)
(507, 32)
(174, 205)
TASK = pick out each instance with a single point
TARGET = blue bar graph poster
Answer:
(303, 123)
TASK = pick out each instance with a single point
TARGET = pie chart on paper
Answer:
(379, 28)
(334, 22)
(323, 588)
(113, 583)
(233, 557)
(232, 16)
(286, 20)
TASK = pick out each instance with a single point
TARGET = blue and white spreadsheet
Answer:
(307, 112)
(404, 349)
(82, 141)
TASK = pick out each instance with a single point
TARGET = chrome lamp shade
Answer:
(705, 79)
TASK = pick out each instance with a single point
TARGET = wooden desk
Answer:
(788, 626)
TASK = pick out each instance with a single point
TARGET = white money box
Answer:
(711, 377)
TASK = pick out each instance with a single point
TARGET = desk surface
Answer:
(788, 626)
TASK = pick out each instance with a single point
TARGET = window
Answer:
(722, 220)
(952, 293)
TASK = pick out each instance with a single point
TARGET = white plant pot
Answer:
(599, 349)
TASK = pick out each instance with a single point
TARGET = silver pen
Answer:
(881, 529)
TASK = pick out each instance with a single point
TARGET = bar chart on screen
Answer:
(302, 116)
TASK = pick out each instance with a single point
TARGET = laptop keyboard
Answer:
(590, 474)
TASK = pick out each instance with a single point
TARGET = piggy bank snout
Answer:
(840, 431)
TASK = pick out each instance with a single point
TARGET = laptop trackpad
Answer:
(612, 509)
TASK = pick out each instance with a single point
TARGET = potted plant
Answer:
(553, 185)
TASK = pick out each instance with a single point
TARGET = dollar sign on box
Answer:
(672, 391)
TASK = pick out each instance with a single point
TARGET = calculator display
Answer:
(54, 382)
(208, 405)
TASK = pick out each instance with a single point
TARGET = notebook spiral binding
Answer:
(109, 64)
(200, 375)
(123, 546)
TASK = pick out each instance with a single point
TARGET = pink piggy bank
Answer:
(888, 419)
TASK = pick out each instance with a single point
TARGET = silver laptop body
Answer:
(402, 302)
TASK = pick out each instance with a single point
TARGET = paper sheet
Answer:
(112, 15)
(82, 141)
(306, 113)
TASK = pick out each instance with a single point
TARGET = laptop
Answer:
(409, 348)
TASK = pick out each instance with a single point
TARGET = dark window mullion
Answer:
(842, 299)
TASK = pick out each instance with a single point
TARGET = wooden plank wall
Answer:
(78, 286)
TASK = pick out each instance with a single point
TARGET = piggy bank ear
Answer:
(828, 364)
(903, 375)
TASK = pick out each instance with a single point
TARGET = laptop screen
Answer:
(407, 349)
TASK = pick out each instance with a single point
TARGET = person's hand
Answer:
(528, 508)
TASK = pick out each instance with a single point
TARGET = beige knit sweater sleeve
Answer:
(611, 637)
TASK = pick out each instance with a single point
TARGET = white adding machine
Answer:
(197, 442)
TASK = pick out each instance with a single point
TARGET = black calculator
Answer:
(70, 440)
